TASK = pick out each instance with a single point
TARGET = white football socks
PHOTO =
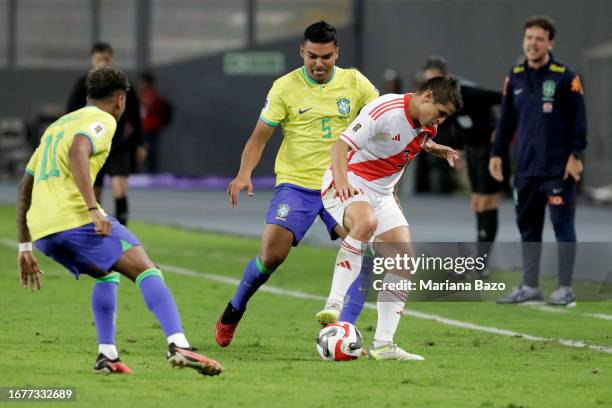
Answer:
(390, 304)
(348, 266)
(179, 340)
(109, 350)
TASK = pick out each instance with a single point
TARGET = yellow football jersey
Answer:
(312, 116)
(57, 204)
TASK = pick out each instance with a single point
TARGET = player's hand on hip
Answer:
(345, 191)
(236, 186)
(495, 168)
(29, 271)
(573, 168)
(101, 223)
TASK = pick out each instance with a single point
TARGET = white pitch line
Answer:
(412, 313)
(10, 243)
(540, 306)
(563, 310)
(600, 316)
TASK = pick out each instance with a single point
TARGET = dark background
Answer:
(214, 113)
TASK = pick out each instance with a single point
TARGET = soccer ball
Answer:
(340, 341)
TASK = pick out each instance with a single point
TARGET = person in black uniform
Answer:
(543, 104)
(433, 175)
(127, 140)
(472, 127)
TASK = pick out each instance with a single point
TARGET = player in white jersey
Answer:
(359, 192)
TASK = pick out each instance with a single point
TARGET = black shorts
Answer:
(119, 164)
(481, 182)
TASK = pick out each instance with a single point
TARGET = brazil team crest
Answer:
(344, 105)
(548, 90)
(283, 211)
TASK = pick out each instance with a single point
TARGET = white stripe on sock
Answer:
(346, 269)
(390, 305)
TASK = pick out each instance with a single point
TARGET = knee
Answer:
(487, 202)
(565, 232)
(271, 259)
(474, 203)
(365, 228)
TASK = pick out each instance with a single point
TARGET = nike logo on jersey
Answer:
(518, 91)
(303, 111)
(556, 190)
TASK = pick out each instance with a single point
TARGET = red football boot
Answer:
(227, 324)
(105, 365)
(187, 357)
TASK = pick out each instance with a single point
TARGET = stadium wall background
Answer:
(214, 113)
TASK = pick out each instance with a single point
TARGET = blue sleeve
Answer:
(507, 121)
(577, 111)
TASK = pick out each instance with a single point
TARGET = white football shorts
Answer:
(388, 214)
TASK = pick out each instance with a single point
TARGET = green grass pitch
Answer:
(48, 339)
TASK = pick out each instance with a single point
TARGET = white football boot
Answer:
(392, 351)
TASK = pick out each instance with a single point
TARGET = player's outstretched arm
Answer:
(79, 154)
(29, 271)
(250, 157)
(339, 158)
(445, 152)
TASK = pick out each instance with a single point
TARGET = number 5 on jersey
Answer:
(326, 128)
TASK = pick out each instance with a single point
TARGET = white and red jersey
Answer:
(384, 140)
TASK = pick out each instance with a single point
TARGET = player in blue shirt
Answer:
(543, 104)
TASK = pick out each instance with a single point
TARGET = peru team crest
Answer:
(344, 105)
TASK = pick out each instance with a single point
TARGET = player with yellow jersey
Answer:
(312, 105)
(57, 204)
(57, 209)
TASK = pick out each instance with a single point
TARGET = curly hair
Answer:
(103, 82)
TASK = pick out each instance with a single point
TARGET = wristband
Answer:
(92, 208)
(25, 247)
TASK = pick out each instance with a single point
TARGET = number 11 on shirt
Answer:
(43, 168)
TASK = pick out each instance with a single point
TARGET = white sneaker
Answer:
(563, 296)
(330, 314)
(393, 352)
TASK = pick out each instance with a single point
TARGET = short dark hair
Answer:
(321, 33)
(544, 22)
(437, 62)
(101, 47)
(445, 90)
(103, 82)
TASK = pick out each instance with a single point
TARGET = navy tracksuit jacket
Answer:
(545, 108)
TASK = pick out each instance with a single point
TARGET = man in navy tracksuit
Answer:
(543, 105)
